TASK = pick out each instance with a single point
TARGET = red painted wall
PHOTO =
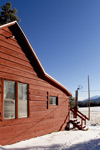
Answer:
(43, 118)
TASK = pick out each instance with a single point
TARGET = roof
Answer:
(40, 67)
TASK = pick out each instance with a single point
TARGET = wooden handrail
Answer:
(74, 111)
(83, 115)
(77, 111)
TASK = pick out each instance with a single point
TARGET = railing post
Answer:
(81, 123)
(85, 122)
(76, 103)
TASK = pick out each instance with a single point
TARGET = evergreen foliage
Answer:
(8, 14)
(72, 102)
(85, 104)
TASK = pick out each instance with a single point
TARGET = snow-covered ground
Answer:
(94, 114)
(65, 140)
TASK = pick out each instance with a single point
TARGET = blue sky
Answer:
(65, 35)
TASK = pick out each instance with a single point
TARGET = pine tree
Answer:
(8, 14)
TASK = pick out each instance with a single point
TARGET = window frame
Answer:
(16, 100)
(56, 104)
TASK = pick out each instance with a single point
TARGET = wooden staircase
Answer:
(79, 123)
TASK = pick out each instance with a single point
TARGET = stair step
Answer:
(73, 120)
(85, 129)
(84, 126)
(78, 122)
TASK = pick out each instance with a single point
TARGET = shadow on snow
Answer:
(92, 144)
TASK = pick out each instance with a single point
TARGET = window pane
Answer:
(53, 100)
(22, 100)
(9, 99)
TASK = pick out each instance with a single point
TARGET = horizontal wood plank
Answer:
(5, 33)
(13, 53)
(17, 66)
(12, 47)
(37, 103)
(14, 59)
(9, 40)
(38, 98)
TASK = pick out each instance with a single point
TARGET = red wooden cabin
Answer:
(31, 102)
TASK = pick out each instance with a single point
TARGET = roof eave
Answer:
(48, 77)
(8, 24)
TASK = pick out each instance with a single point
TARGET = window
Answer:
(9, 99)
(22, 100)
(53, 100)
(15, 104)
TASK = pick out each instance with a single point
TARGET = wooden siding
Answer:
(43, 118)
